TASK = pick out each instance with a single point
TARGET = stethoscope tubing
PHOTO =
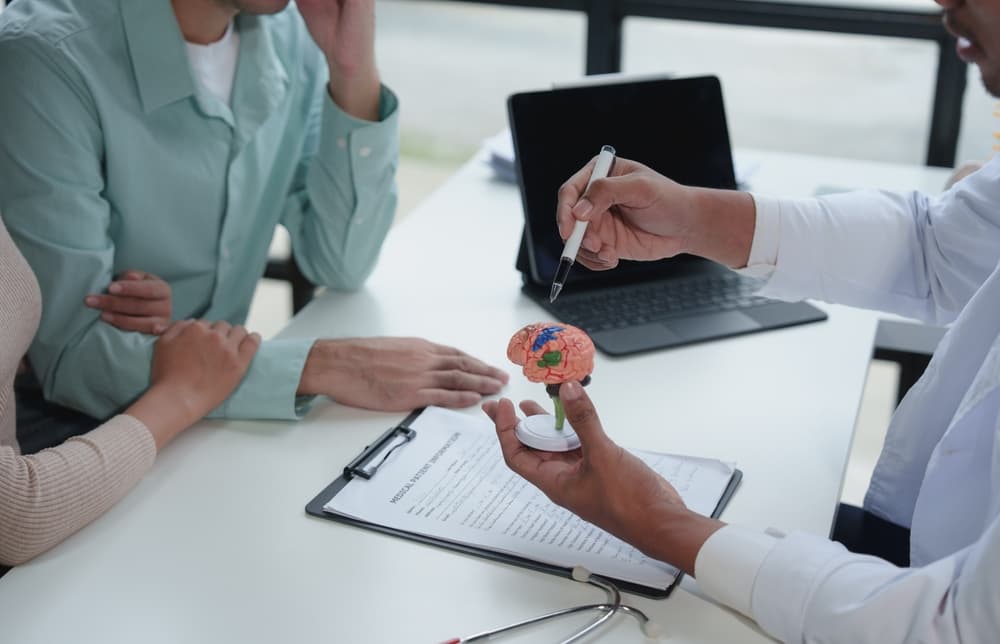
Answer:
(608, 610)
(614, 598)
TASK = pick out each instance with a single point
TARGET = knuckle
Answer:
(582, 415)
(451, 379)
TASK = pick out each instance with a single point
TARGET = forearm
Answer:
(48, 496)
(269, 388)
(904, 253)
(98, 372)
(344, 200)
(356, 91)
(321, 374)
(811, 589)
(722, 227)
(164, 413)
(669, 533)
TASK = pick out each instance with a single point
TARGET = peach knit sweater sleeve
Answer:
(48, 496)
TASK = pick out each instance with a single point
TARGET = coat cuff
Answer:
(728, 562)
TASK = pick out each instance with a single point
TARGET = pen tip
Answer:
(554, 293)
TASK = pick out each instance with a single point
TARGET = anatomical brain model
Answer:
(553, 353)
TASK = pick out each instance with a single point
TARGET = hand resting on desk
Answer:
(397, 374)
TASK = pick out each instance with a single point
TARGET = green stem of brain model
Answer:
(560, 413)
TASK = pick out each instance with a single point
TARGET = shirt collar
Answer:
(262, 81)
(159, 58)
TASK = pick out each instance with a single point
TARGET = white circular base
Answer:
(540, 432)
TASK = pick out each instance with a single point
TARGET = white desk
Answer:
(214, 545)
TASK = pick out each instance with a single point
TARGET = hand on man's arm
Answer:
(135, 301)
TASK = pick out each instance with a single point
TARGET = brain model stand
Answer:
(551, 353)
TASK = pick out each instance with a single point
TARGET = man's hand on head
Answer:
(344, 30)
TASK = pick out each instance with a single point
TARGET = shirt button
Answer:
(365, 151)
(225, 254)
(341, 143)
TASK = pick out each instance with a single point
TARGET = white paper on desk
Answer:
(501, 156)
(451, 482)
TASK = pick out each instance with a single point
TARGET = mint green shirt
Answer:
(111, 157)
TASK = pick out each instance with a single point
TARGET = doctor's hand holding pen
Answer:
(605, 484)
(638, 214)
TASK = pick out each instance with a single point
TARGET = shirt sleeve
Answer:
(48, 496)
(802, 588)
(344, 196)
(906, 253)
(764, 248)
(52, 201)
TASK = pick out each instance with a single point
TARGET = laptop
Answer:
(676, 126)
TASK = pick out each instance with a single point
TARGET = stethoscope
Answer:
(612, 607)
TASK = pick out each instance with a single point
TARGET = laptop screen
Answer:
(675, 126)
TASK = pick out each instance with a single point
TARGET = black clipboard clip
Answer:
(367, 463)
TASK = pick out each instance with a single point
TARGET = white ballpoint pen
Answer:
(601, 169)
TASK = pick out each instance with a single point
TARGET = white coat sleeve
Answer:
(802, 588)
(906, 253)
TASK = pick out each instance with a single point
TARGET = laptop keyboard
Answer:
(634, 305)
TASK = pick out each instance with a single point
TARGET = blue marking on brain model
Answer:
(547, 334)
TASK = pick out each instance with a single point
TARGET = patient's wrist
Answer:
(319, 372)
(165, 411)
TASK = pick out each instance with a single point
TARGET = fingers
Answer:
(582, 415)
(605, 259)
(221, 327)
(448, 398)
(137, 301)
(134, 274)
(457, 360)
(248, 346)
(140, 324)
(457, 380)
(175, 330)
(147, 289)
(236, 334)
(531, 408)
(246, 343)
(519, 458)
(127, 305)
(568, 196)
(601, 196)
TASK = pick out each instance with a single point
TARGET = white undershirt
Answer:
(214, 64)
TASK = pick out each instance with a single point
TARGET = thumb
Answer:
(582, 415)
(602, 195)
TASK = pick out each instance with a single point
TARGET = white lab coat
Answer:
(936, 259)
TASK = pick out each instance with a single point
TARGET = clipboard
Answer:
(366, 466)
